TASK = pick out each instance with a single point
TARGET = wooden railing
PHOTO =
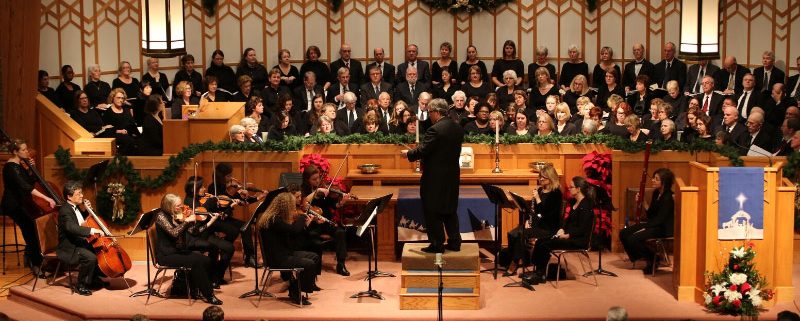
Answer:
(55, 128)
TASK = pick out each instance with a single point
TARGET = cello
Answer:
(112, 260)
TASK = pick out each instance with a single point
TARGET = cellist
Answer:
(73, 248)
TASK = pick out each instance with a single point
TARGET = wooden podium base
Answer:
(419, 279)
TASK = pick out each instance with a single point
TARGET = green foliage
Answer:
(738, 289)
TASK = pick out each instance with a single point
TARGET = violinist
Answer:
(172, 222)
(547, 213)
(327, 201)
(18, 192)
(220, 251)
(73, 248)
(228, 199)
(660, 221)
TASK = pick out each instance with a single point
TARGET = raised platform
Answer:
(645, 297)
(419, 279)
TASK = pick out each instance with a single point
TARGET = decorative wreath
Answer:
(118, 205)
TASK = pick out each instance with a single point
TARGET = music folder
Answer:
(372, 209)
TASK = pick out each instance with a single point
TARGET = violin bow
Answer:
(339, 169)
(194, 190)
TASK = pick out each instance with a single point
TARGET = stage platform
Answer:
(645, 297)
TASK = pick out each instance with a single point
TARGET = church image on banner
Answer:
(741, 204)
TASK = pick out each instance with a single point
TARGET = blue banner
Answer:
(741, 203)
(475, 215)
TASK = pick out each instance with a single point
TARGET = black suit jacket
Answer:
(368, 92)
(691, 77)
(791, 84)
(776, 76)
(755, 97)
(70, 234)
(341, 115)
(737, 137)
(403, 92)
(388, 72)
(763, 139)
(423, 72)
(721, 78)
(299, 96)
(677, 71)
(356, 72)
(714, 104)
(335, 89)
(629, 74)
(439, 151)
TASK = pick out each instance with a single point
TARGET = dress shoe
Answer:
(250, 261)
(342, 270)
(433, 249)
(82, 290)
(299, 299)
(535, 278)
(212, 299)
(510, 273)
(453, 247)
(316, 288)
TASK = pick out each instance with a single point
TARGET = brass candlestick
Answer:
(416, 167)
(497, 159)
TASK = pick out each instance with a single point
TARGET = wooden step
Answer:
(452, 299)
(414, 259)
(415, 279)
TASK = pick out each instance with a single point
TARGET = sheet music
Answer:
(364, 227)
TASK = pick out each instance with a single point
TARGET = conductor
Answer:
(439, 151)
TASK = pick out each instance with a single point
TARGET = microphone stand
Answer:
(439, 262)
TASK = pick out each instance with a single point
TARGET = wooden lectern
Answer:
(211, 122)
(697, 248)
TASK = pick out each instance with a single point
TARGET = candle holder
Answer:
(497, 169)
(416, 167)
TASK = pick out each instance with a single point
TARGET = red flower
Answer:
(736, 267)
(732, 287)
(737, 303)
(768, 294)
(751, 245)
(717, 300)
(746, 287)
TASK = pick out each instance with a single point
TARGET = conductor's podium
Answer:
(419, 280)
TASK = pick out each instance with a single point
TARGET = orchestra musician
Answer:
(280, 226)
(547, 214)
(220, 251)
(659, 222)
(575, 232)
(172, 223)
(18, 191)
(315, 194)
(73, 248)
(224, 186)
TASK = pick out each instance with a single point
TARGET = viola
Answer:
(112, 260)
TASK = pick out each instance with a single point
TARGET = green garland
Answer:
(120, 167)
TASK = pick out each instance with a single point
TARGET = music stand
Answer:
(143, 224)
(260, 209)
(94, 173)
(524, 210)
(363, 220)
(498, 197)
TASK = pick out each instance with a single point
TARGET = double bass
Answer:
(46, 188)
(111, 258)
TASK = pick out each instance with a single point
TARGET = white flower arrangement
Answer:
(738, 278)
(738, 252)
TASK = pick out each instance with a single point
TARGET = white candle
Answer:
(416, 132)
(496, 132)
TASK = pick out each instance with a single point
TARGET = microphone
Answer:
(439, 261)
(768, 156)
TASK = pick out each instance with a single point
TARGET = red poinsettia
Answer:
(745, 288)
(737, 303)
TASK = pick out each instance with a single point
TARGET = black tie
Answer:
(377, 90)
(742, 105)
(766, 81)
(666, 76)
(412, 91)
(350, 118)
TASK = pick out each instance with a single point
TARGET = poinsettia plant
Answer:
(597, 170)
(738, 289)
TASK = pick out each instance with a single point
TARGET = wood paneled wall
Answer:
(18, 65)
(85, 32)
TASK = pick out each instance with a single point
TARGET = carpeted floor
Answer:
(645, 297)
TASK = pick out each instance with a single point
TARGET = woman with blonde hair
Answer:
(563, 126)
(547, 199)
(120, 116)
(578, 88)
(184, 96)
(279, 228)
(542, 88)
(250, 130)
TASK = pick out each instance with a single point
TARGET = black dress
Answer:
(195, 78)
(50, 94)
(298, 80)
(160, 86)
(65, 96)
(579, 227)
(152, 140)
(551, 69)
(568, 130)
(320, 69)
(471, 128)
(126, 143)
(226, 79)
(542, 227)
(481, 92)
(571, 98)
(612, 128)
(98, 92)
(440, 92)
(257, 73)
(537, 100)
(131, 90)
(599, 76)
(436, 71)
(91, 121)
(504, 98)
(173, 249)
(501, 65)
(280, 250)
(660, 223)
(604, 93)
(569, 70)
(16, 204)
(463, 71)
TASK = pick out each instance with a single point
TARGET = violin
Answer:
(197, 214)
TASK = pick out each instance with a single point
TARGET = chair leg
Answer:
(16, 244)
(591, 268)
(558, 270)
(55, 274)
(150, 286)
(296, 275)
(188, 289)
(69, 281)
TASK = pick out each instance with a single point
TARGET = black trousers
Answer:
(301, 259)
(232, 228)
(634, 240)
(519, 250)
(220, 252)
(339, 235)
(87, 265)
(542, 248)
(199, 277)
(437, 223)
(28, 228)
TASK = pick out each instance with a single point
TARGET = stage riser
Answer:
(430, 302)
(432, 281)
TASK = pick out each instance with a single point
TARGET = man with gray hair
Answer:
(438, 152)
(351, 111)
(408, 91)
(756, 134)
(73, 248)
(768, 75)
(639, 66)
(617, 314)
